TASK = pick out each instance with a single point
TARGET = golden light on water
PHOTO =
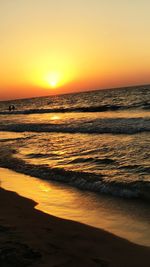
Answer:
(67, 203)
(55, 117)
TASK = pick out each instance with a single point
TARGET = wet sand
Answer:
(31, 237)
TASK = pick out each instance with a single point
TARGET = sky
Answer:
(61, 46)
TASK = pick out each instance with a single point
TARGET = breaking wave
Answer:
(83, 181)
(98, 126)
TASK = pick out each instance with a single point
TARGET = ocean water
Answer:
(97, 142)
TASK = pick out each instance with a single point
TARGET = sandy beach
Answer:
(31, 237)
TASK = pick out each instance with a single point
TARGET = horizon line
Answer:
(78, 92)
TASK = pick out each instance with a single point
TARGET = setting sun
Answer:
(53, 83)
(72, 47)
(53, 80)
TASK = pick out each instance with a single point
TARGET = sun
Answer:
(53, 79)
(53, 83)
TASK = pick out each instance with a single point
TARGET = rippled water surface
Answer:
(97, 141)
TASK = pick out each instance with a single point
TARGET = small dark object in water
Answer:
(11, 108)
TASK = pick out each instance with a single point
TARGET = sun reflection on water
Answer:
(55, 117)
(44, 188)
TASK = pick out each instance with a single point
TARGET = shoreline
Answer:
(68, 203)
(29, 236)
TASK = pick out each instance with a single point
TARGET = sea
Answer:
(95, 143)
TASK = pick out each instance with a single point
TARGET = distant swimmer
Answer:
(11, 108)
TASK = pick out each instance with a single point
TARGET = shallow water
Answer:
(109, 164)
(125, 219)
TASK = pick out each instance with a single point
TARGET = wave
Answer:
(98, 126)
(136, 168)
(15, 138)
(40, 155)
(101, 108)
(83, 181)
(74, 161)
(90, 159)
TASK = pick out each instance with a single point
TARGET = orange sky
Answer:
(49, 47)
